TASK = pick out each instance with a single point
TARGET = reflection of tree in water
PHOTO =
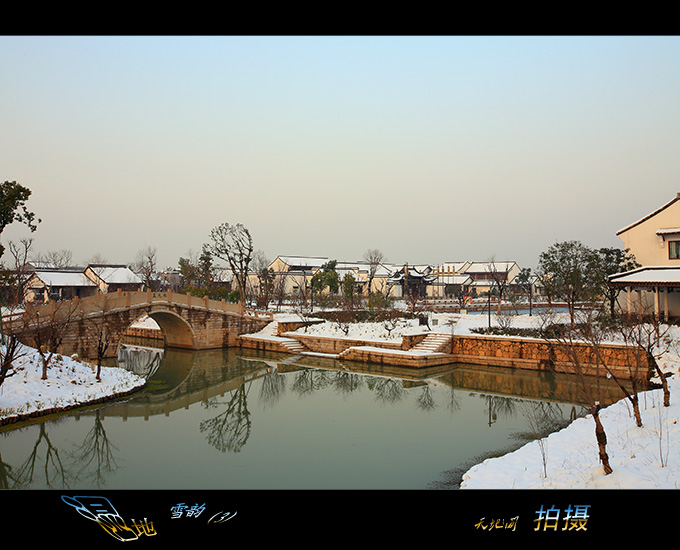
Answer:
(347, 382)
(544, 418)
(425, 400)
(504, 406)
(230, 430)
(272, 389)
(387, 390)
(453, 403)
(53, 470)
(94, 458)
(7, 479)
(309, 380)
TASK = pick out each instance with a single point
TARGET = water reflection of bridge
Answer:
(191, 377)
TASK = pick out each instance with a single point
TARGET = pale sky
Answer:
(430, 149)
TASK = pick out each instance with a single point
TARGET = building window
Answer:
(674, 250)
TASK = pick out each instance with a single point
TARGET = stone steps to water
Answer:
(434, 342)
(294, 346)
(272, 329)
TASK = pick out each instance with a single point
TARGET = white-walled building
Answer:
(655, 242)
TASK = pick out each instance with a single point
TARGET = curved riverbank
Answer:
(70, 384)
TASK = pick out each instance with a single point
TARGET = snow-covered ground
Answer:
(365, 331)
(69, 383)
(641, 458)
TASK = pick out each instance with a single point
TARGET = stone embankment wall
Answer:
(538, 354)
(524, 353)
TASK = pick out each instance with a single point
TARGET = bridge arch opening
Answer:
(177, 332)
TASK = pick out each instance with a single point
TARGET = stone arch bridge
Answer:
(187, 322)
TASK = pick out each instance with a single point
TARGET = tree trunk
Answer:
(636, 410)
(664, 383)
(601, 437)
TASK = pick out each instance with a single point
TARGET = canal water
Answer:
(242, 419)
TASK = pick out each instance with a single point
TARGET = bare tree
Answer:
(57, 259)
(499, 280)
(17, 274)
(265, 278)
(99, 334)
(647, 332)
(303, 288)
(48, 327)
(375, 259)
(11, 350)
(590, 331)
(145, 265)
(279, 289)
(96, 259)
(566, 346)
(233, 244)
(11, 325)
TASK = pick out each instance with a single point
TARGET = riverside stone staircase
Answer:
(435, 342)
(271, 333)
(293, 345)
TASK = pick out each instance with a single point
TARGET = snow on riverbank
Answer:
(69, 383)
(646, 457)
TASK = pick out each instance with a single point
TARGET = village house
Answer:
(486, 276)
(655, 242)
(111, 278)
(413, 282)
(46, 284)
(451, 281)
(297, 273)
(170, 279)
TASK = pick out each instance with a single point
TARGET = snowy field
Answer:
(642, 458)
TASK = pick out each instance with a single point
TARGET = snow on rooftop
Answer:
(648, 275)
(63, 278)
(116, 274)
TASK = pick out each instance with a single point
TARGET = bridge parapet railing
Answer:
(130, 299)
(121, 300)
(258, 314)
